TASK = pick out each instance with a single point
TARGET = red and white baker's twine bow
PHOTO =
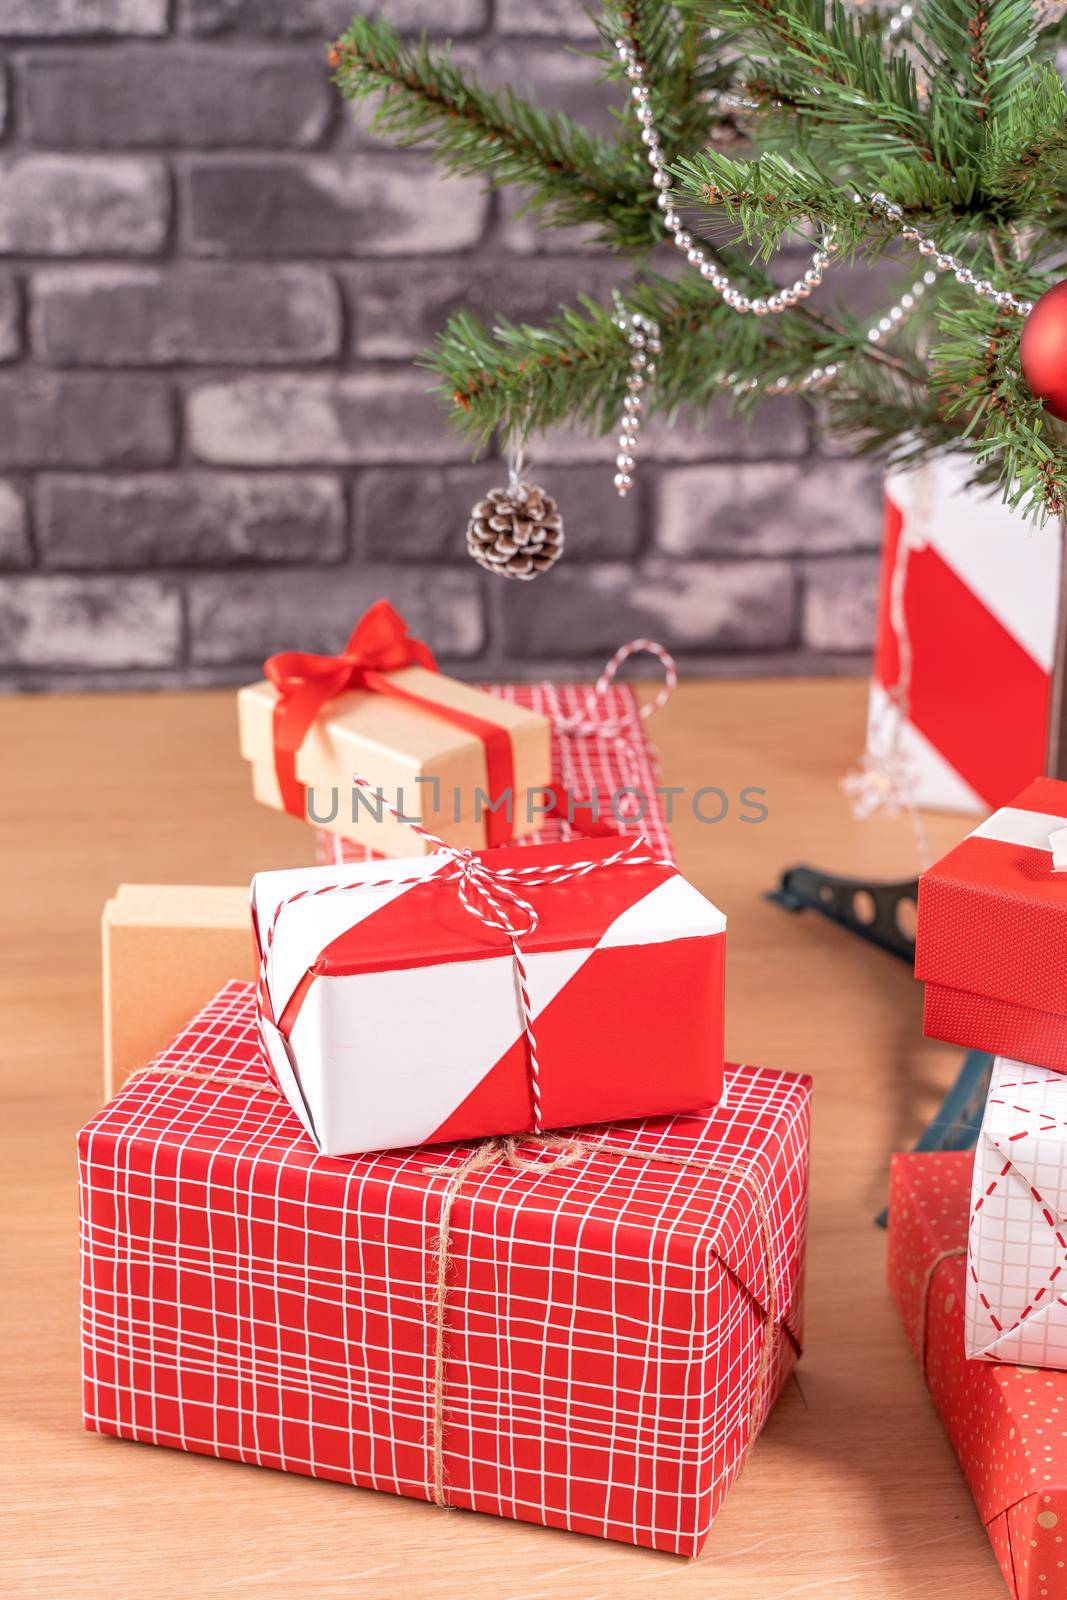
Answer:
(491, 895)
(617, 729)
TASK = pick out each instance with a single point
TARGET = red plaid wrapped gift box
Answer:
(615, 1322)
(620, 759)
(1005, 1422)
(991, 940)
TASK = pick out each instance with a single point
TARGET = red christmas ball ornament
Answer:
(1043, 351)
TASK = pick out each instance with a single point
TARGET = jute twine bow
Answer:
(491, 895)
(590, 725)
(924, 1302)
(566, 1152)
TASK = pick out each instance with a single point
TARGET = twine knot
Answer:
(487, 895)
(523, 1154)
(491, 895)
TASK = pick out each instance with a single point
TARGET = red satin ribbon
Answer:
(379, 644)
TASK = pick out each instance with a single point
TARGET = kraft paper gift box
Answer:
(392, 1016)
(1017, 1239)
(440, 751)
(611, 757)
(991, 939)
(1006, 1423)
(167, 948)
(247, 1298)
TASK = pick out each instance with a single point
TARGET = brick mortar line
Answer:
(380, 560)
(180, 378)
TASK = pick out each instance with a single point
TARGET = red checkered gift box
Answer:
(991, 939)
(1005, 1422)
(585, 1332)
(599, 749)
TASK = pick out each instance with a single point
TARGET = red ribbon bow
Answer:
(379, 644)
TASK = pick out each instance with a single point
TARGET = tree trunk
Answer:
(1056, 758)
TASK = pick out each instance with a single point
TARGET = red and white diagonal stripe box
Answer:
(245, 1297)
(980, 602)
(392, 1017)
(583, 766)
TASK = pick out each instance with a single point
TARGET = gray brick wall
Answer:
(213, 442)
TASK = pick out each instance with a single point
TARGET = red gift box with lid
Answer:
(248, 1298)
(1005, 1422)
(991, 940)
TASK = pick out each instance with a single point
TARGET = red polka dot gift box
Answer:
(991, 940)
(1007, 1424)
(585, 1332)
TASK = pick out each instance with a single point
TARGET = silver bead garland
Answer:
(759, 305)
(1003, 299)
(642, 335)
(638, 329)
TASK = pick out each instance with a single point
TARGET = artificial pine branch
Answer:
(1010, 433)
(829, 68)
(687, 69)
(1023, 157)
(575, 178)
(985, 46)
(518, 379)
(973, 149)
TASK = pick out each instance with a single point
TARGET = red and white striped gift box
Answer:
(583, 766)
(608, 1353)
(962, 699)
(392, 1015)
(991, 936)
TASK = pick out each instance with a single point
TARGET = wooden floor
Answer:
(852, 1494)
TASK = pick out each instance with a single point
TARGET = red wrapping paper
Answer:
(604, 1320)
(1006, 1423)
(991, 941)
(583, 766)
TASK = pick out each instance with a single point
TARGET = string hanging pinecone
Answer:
(516, 532)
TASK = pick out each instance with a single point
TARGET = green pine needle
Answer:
(967, 132)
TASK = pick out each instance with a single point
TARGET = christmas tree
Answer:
(933, 134)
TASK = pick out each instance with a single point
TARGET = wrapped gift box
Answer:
(616, 761)
(1017, 1241)
(167, 949)
(991, 937)
(466, 765)
(392, 1014)
(1005, 1422)
(245, 1297)
(979, 607)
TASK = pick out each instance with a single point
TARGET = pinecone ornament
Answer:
(516, 532)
